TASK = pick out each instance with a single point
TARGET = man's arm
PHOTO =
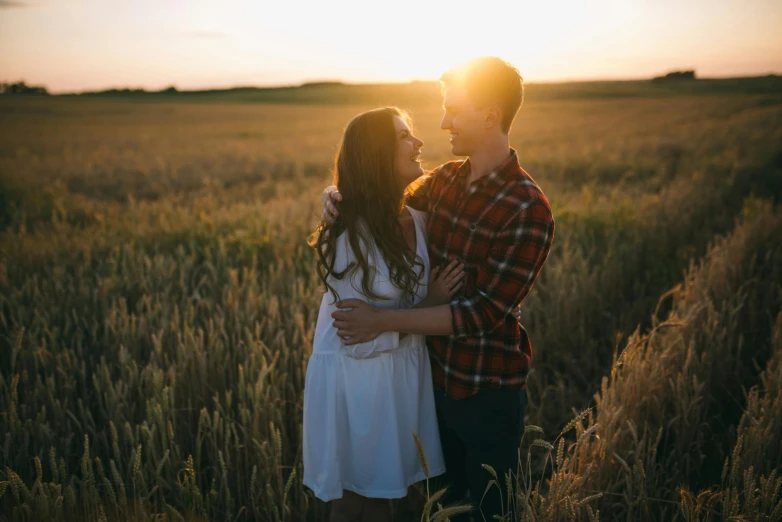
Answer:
(435, 320)
(431, 316)
(505, 279)
(502, 283)
(364, 322)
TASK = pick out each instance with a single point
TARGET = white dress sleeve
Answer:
(349, 287)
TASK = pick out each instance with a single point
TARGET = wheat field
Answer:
(158, 302)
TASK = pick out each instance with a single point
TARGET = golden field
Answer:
(158, 301)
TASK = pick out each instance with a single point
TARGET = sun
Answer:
(529, 35)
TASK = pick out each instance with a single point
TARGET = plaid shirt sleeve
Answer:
(504, 280)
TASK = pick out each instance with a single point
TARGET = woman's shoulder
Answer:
(345, 254)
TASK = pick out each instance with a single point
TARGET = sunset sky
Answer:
(71, 45)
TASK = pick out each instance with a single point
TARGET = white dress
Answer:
(362, 403)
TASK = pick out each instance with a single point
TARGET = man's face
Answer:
(463, 121)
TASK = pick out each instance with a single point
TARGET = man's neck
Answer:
(485, 160)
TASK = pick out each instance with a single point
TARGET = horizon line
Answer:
(312, 82)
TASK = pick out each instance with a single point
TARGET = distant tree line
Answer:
(675, 76)
(21, 88)
(126, 91)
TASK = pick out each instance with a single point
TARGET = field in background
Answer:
(158, 300)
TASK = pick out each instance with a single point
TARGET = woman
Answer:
(362, 403)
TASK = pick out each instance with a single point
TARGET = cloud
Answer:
(204, 34)
(9, 4)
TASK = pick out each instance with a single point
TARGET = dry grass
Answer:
(660, 419)
(157, 297)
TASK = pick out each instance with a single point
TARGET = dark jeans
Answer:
(483, 429)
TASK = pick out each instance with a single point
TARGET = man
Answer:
(490, 214)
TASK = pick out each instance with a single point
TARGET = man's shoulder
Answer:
(527, 190)
(524, 199)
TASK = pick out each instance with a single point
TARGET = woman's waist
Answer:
(328, 343)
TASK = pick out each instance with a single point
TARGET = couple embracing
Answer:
(418, 329)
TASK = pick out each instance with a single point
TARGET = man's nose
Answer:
(445, 123)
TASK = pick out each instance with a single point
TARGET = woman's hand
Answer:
(516, 313)
(443, 284)
(331, 197)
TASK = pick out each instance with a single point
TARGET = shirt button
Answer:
(472, 227)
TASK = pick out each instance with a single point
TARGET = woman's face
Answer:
(408, 153)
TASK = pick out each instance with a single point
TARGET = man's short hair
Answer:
(489, 80)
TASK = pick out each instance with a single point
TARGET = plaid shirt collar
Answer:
(498, 176)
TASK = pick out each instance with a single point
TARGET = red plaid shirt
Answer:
(501, 228)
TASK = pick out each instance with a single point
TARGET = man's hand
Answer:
(356, 322)
(331, 198)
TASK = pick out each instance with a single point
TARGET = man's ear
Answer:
(493, 117)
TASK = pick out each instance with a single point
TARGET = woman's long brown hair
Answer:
(372, 198)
